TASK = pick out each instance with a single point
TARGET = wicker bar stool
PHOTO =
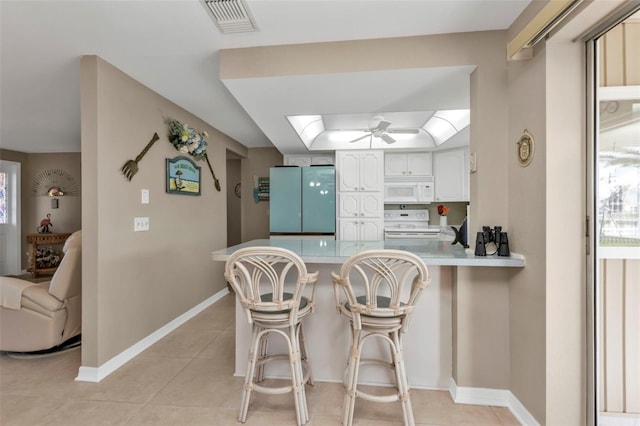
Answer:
(377, 291)
(258, 276)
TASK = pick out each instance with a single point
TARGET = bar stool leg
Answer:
(302, 350)
(297, 377)
(401, 378)
(351, 383)
(251, 367)
(305, 358)
(262, 354)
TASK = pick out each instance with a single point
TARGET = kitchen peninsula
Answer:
(428, 343)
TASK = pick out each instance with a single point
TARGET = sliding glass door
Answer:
(615, 207)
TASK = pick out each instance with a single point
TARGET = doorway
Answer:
(10, 257)
(615, 196)
(234, 201)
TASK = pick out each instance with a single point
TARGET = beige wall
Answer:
(255, 216)
(34, 208)
(136, 282)
(527, 220)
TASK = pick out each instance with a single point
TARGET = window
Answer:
(619, 171)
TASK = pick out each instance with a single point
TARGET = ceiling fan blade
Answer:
(361, 137)
(403, 131)
(388, 139)
(382, 125)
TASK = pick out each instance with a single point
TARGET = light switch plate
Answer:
(473, 163)
(140, 224)
(144, 196)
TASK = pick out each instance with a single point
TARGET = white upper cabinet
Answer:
(360, 170)
(309, 160)
(451, 174)
(408, 164)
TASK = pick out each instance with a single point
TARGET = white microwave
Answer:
(409, 191)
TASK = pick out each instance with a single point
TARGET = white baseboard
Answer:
(93, 374)
(494, 397)
(612, 419)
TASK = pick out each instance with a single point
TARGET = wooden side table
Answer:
(43, 239)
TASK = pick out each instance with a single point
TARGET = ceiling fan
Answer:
(381, 130)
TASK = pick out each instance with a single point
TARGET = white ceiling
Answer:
(172, 47)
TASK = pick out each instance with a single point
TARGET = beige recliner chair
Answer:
(35, 317)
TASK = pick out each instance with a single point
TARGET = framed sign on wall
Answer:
(183, 176)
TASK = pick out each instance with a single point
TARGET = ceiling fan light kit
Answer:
(444, 124)
(381, 130)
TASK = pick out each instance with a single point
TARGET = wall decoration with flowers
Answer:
(186, 140)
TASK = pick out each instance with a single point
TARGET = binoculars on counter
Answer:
(492, 237)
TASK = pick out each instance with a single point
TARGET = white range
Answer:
(409, 224)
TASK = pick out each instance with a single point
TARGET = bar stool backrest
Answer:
(258, 276)
(381, 283)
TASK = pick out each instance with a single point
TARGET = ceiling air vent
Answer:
(231, 16)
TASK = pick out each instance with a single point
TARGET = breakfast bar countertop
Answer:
(432, 252)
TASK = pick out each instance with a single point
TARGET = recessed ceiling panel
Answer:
(350, 100)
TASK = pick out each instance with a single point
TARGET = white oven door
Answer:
(409, 235)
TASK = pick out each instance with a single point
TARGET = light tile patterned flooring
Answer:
(187, 379)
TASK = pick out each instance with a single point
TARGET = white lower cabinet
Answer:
(361, 229)
(360, 216)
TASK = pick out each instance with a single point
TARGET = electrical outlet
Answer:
(140, 224)
(144, 196)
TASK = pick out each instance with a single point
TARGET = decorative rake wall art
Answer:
(130, 168)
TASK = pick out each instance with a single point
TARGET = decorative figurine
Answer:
(45, 224)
